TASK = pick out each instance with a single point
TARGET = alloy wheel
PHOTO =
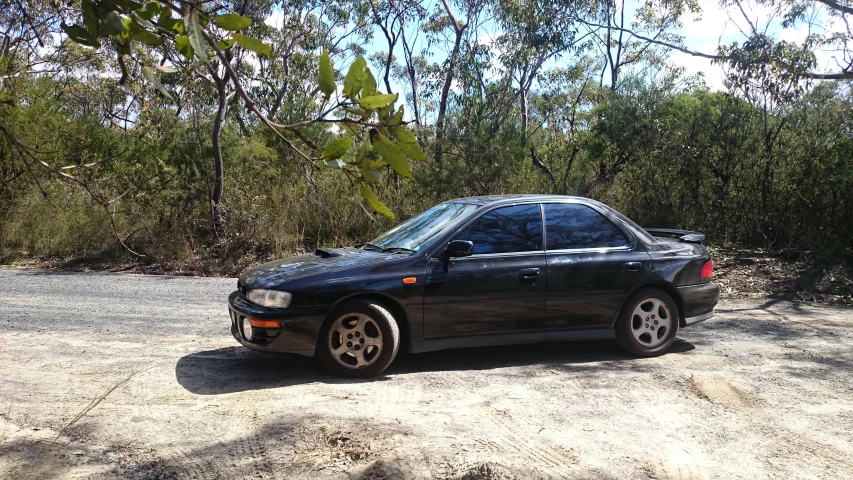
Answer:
(651, 322)
(355, 340)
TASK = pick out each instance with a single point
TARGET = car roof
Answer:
(494, 199)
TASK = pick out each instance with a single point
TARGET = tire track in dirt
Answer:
(775, 441)
(721, 391)
(512, 441)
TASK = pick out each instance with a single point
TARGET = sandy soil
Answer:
(761, 391)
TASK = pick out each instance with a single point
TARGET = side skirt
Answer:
(431, 345)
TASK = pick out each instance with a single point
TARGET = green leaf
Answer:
(375, 203)
(194, 33)
(80, 35)
(374, 102)
(165, 69)
(148, 38)
(337, 147)
(232, 22)
(90, 18)
(182, 45)
(336, 164)
(391, 153)
(151, 9)
(354, 77)
(225, 44)
(166, 22)
(252, 44)
(151, 77)
(113, 24)
(407, 142)
(369, 175)
(348, 127)
(368, 87)
(326, 77)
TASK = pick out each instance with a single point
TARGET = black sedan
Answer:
(480, 271)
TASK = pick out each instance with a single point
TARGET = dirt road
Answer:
(764, 390)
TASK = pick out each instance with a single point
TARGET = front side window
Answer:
(517, 228)
(572, 225)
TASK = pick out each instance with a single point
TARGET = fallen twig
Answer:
(94, 403)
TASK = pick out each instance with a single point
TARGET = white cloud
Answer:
(276, 19)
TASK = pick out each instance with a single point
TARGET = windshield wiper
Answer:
(399, 250)
(370, 246)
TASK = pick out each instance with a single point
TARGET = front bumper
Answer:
(698, 301)
(300, 326)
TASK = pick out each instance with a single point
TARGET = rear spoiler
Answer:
(682, 235)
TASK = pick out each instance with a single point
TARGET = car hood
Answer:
(322, 261)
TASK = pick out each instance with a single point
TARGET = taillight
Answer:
(708, 270)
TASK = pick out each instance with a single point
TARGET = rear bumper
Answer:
(698, 301)
(300, 326)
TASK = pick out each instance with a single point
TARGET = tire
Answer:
(648, 323)
(359, 339)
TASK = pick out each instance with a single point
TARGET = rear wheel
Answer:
(359, 339)
(648, 323)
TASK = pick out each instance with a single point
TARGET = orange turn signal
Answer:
(264, 323)
(410, 280)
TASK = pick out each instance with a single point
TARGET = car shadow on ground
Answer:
(237, 369)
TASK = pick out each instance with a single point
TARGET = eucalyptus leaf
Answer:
(150, 9)
(375, 203)
(368, 85)
(232, 22)
(337, 147)
(113, 24)
(381, 100)
(391, 153)
(252, 44)
(182, 45)
(407, 142)
(148, 38)
(90, 18)
(336, 164)
(80, 35)
(225, 44)
(369, 175)
(326, 77)
(194, 34)
(354, 78)
(152, 77)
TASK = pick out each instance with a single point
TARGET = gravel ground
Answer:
(763, 390)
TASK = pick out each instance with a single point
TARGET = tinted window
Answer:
(508, 229)
(570, 225)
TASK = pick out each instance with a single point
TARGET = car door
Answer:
(498, 289)
(592, 265)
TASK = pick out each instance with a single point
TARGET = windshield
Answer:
(420, 230)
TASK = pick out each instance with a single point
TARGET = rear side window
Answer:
(507, 229)
(571, 225)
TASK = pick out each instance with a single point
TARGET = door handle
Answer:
(528, 274)
(633, 266)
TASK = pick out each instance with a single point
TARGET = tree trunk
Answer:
(216, 199)
(442, 105)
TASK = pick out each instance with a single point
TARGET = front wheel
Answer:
(648, 323)
(359, 339)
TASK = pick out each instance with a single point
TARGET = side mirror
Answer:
(459, 248)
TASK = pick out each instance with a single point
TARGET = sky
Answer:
(704, 33)
(723, 26)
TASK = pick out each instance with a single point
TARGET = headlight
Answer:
(270, 298)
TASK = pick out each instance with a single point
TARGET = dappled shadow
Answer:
(237, 369)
